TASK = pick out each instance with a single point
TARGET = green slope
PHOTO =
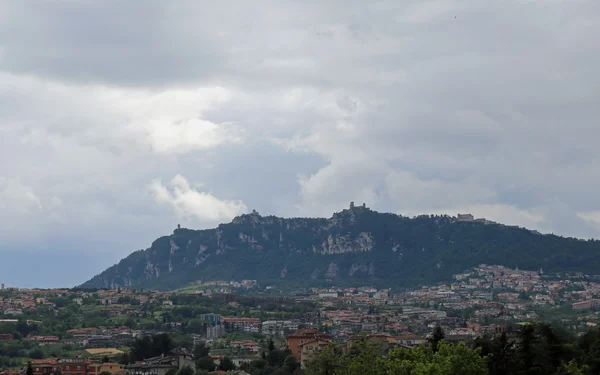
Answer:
(357, 246)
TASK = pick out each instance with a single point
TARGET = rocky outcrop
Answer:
(354, 247)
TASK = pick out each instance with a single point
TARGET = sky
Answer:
(120, 120)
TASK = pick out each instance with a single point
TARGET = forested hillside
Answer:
(356, 246)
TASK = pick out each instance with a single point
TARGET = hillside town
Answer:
(81, 332)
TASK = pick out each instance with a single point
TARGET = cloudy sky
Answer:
(120, 119)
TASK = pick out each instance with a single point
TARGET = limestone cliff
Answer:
(356, 246)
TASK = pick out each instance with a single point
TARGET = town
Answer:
(232, 324)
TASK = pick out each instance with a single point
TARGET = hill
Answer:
(357, 246)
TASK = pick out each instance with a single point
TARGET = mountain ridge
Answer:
(357, 246)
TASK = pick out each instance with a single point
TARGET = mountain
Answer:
(357, 246)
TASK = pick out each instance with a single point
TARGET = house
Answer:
(45, 366)
(110, 367)
(279, 327)
(44, 340)
(162, 364)
(6, 337)
(310, 349)
(148, 369)
(383, 341)
(410, 339)
(238, 361)
(247, 346)
(587, 305)
(469, 340)
(13, 312)
(251, 325)
(74, 366)
(302, 336)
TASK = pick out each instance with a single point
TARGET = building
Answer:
(279, 327)
(251, 325)
(13, 312)
(295, 340)
(110, 367)
(214, 319)
(593, 304)
(74, 366)
(148, 369)
(44, 340)
(465, 217)
(45, 366)
(161, 365)
(247, 346)
(410, 339)
(383, 341)
(310, 349)
(6, 337)
(215, 332)
(238, 361)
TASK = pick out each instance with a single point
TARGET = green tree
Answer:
(501, 358)
(205, 363)
(185, 370)
(37, 353)
(328, 362)
(449, 359)
(226, 364)
(290, 365)
(526, 351)
(572, 368)
(436, 336)
(201, 350)
(29, 370)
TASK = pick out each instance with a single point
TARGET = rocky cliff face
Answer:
(357, 246)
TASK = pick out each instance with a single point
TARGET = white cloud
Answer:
(167, 120)
(16, 198)
(306, 105)
(188, 203)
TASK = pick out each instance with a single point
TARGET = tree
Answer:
(501, 356)
(201, 350)
(572, 368)
(227, 364)
(437, 336)
(151, 346)
(185, 370)
(29, 370)
(205, 363)
(290, 365)
(449, 359)
(553, 346)
(37, 353)
(172, 371)
(105, 359)
(328, 362)
(105, 373)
